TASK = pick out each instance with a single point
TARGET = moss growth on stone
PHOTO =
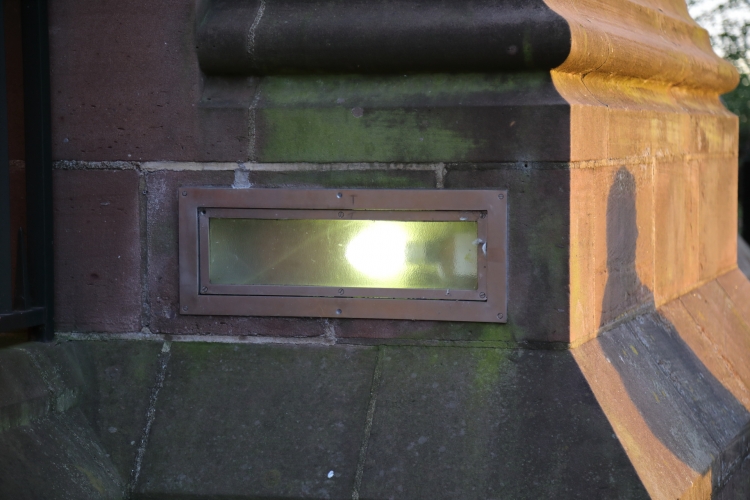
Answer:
(347, 91)
(394, 179)
(336, 134)
(420, 118)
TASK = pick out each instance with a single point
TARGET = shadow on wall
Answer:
(624, 290)
(684, 406)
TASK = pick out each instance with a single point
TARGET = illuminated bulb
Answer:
(379, 250)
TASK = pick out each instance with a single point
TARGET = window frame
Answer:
(488, 303)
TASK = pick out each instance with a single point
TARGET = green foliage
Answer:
(738, 102)
(728, 23)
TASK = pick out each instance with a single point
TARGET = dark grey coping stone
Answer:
(265, 421)
(56, 457)
(491, 423)
(120, 377)
(192, 420)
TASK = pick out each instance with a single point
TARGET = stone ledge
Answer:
(651, 41)
(365, 36)
(677, 403)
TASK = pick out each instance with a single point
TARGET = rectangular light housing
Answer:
(399, 254)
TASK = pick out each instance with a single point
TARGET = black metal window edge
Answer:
(32, 306)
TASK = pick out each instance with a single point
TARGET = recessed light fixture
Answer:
(399, 254)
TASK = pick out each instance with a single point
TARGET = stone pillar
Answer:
(601, 118)
(643, 85)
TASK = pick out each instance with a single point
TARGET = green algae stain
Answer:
(394, 179)
(198, 355)
(420, 118)
(398, 90)
(508, 332)
(336, 134)
(464, 331)
(95, 481)
(488, 370)
(143, 365)
(22, 415)
(543, 246)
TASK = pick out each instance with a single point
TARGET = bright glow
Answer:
(379, 250)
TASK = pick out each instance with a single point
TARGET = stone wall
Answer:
(634, 103)
(621, 169)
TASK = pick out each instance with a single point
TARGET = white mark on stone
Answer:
(253, 28)
(330, 474)
(150, 414)
(241, 179)
(112, 430)
(368, 426)
(252, 131)
(330, 332)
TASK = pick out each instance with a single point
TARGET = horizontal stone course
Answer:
(539, 235)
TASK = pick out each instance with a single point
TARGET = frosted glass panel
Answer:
(343, 253)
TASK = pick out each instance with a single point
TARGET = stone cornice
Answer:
(366, 36)
(635, 43)
(641, 43)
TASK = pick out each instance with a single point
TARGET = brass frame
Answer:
(199, 297)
